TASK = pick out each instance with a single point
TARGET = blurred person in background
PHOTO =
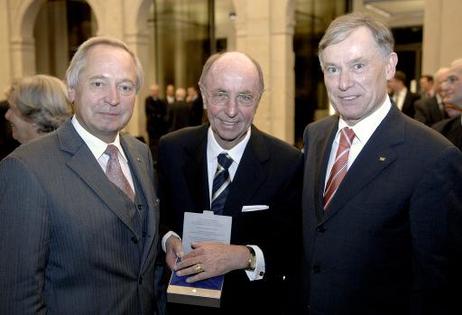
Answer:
(430, 110)
(38, 105)
(7, 142)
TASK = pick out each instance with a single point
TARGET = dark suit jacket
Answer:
(7, 143)
(69, 240)
(179, 113)
(156, 117)
(408, 104)
(269, 173)
(382, 246)
(452, 129)
(428, 111)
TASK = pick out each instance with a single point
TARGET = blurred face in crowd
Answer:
(452, 86)
(425, 85)
(356, 74)
(22, 129)
(231, 94)
(105, 94)
(154, 90)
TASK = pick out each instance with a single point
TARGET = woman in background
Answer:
(38, 105)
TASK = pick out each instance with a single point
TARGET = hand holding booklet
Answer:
(200, 227)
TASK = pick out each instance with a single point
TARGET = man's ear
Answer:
(390, 67)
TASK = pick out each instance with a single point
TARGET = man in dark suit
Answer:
(402, 97)
(452, 91)
(263, 196)
(179, 111)
(79, 225)
(382, 193)
(430, 110)
(7, 142)
(156, 119)
(196, 105)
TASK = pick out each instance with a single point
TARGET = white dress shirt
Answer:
(213, 150)
(97, 147)
(363, 131)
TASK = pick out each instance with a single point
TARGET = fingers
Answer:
(190, 270)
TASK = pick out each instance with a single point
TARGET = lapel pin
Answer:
(382, 158)
(138, 159)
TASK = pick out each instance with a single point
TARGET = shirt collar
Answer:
(96, 145)
(366, 126)
(214, 149)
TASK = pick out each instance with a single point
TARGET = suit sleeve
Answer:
(435, 219)
(24, 239)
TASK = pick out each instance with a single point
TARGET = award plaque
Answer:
(200, 227)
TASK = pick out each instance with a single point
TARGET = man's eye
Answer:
(331, 69)
(126, 88)
(97, 84)
(358, 66)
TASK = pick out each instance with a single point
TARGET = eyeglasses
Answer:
(103, 86)
(222, 98)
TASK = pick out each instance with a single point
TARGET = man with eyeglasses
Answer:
(79, 232)
(452, 89)
(262, 195)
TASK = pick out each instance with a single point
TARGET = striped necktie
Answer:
(221, 183)
(340, 167)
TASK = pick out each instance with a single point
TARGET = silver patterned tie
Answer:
(114, 172)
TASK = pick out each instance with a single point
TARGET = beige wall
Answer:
(442, 40)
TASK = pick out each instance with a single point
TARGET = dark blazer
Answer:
(382, 245)
(179, 113)
(70, 240)
(7, 143)
(427, 111)
(452, 129)
(408, 104)
(156, 117)
(269, 173)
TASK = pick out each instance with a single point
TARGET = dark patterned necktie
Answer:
(221, 183)
(340, 167)
(114, 172)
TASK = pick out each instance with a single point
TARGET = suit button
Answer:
(140, 280)
(321, 229)
(135, 239)
(316, 268)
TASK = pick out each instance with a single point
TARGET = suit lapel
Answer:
(195, 170)
(250, 174)
(321, 160)
(377, 155)
(141, 173)
(84, 164)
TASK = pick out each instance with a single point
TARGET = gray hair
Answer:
(78, 61)
(42, 100)
(213, 58)
(343, 26)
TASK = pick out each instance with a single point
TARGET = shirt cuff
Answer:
(165, 238)
(259, 271)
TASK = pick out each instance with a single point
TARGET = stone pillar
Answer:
(265, 30)
(139, 43)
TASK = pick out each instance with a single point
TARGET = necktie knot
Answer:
(224, 160)
(112, 151)
(348, 136)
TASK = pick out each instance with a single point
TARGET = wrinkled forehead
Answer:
(233, 65)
